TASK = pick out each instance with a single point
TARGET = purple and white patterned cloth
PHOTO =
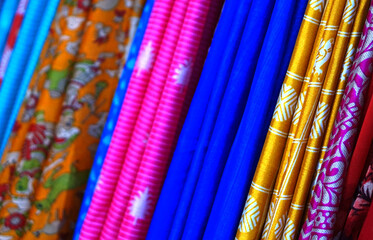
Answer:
(326, 197)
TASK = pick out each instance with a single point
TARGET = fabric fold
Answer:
(111, 169)
(269, 162)
(221, 56)
(114, 113)
(190, 53)
(327, 193)
(269, 73)
(142, 128)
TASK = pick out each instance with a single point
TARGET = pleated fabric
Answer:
(41, 35)
(327, 193)
(185, 70)
(61, 127)
(114, 113)
(339, 94)
(257, 203)
(12, 37)
(360, 206)
(31, 136)
(7, 12)
(141, 131)
(269, 74)
(350, 219)
(111, 169)
(218, 65)
(335, 81)
(217, 135)
(367, 230)
(18, 61)
(307, 107)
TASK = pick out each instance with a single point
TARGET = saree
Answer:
(142, 127)
(41, 35)
(258, 199)
(327, 193)
(112, 166)
(14, 62)
(185, 70)
(341, 60)
(221, 132)
(114, 113)
(350, 219)
(63, 140)
(12, 37)
(26, 146)
(270, 71)
(7, 12)
(221, 56)
(367, 231)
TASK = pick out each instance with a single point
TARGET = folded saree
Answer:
(269, 74)
(261, 189)
(114, 112)
(111, 169)
(141, 130)
(171, 206)
(327, 193)
(182, 78)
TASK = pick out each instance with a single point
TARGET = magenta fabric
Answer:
(144, 122)
(181, 80)
(326, 196)
(112, 166)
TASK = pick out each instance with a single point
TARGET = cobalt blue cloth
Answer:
(227, 122)
(113, 116)
(18, 62)
(7, 12)
(270, 72)
(41, 36)
(221, 56)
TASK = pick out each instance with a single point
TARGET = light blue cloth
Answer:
(113, 116)
(173, 204)
(269, 74)
(26, 49)
(7, 12)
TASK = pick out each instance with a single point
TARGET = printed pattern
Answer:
(315, 100)
(285, 104)
(336, 75)
(49, 155)
(12, 37)
(264, 178)
(308, 102)
(250, 215)
(363, 201)
(327, 193)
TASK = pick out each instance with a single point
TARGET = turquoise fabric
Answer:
(7, 11)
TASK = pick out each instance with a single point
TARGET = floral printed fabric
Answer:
(49, 155)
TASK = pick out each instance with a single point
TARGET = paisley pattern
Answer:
(326, 197)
